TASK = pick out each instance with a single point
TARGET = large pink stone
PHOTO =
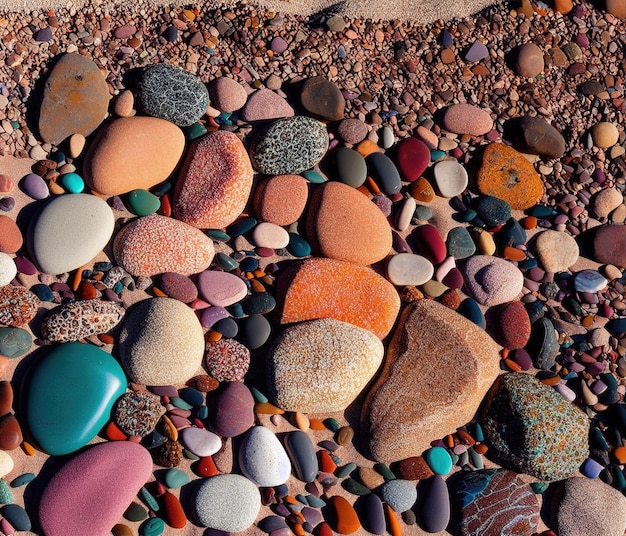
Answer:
(90, 493)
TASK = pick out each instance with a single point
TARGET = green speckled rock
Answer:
(532, 429)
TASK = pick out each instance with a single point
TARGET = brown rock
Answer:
(438, 368)
(75, 99)
(352, 130)
(563, 6)
(281, 199)
(11, 239)
(530, 60)
(370, 477)
(617, 8)
(609, 245)
(124, 104)
(414, 468)
(540, 137)
(10, 433)
(226, 94)
(604, 134)
(6, 398)
(322, 99)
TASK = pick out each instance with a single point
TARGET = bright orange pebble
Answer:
(257, 286)
(290, 500)
(113, 433)
(327, 464)
(363, 189)
(529, 222)
(213, 336)
(481, 448)
(393, 525)
(346, 520)
(323, 529)
(265, 408)
(422, 190)
(86, 291)
(158, 292)
(28, 449)
(372, 186)
(512, 365)
(317, 424)
(298, 530)
(367, 147)
(174, 514)
(513, 254)
(551, 381)
(206, 467)
(166, 206)
(106, 338)
(450, 441)
(77, 278)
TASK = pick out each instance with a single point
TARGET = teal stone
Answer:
(350, 167)
(313, 177)
(22, 480)
(227, 262)
(143, 203)
(73, 183)
(539, 487)
(203, 412)
(241, 227)
(331, 424)
(6, 495)
(478, 432)
(192, 396)
(468, 215)
(154, 526)
(69, 396)
(469, 309)
(14, 342)
(438, 460)
(422, 212)
(597, 439)
(619, 480)
(354, 487)
(298, 246)
(459, 243)
(195, 131)
(162, 188)
(259, 303)
(218, 235)
(436, 154)
(175, 478)
(258, 395)
(492, 210)
(315, 502)
(541, 211)
(345, 470)
(527, 264)
(180, 403)
(16, 516)
(148, 499)
(384, 471)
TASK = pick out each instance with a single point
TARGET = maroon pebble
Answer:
(513, 325)
(413, 158)
(428, 242)
(234, 410)
(179, 287)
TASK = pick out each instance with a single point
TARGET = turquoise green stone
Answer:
(148, 499)
(143, 203)
(154, 526)
(298, 246)
(180, 403)
(14, 342)
(354, 487)
(539, 487)
(384, 471)
(345, 470)
(216, 234)
(6, 495)
(258, 395)
(331, 424)
(314, 177)
(315, 502)
(70, 394)
(73, 183)
(438, 460)
(227, 262)
(22, 479)
(194, 131)
(175, 478)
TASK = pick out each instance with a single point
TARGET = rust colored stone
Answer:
(10, 433)
(11, 238)
(414, 468)
(174, 514)
(346, 520)
(422, 191)
(6, 398)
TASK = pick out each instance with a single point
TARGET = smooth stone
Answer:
(281, 199)
(153, 526)
(428, 242)
(465, 118)
(302, 454)
(69, 396)
(383, 168)
(350, 167)
(34, 186)
(606, 201)
(156, 244)
(298, 246)
(214, 183)
(175, 478)
(75, 99)
(520, 409)
(372, 514)
(10, 236)
(604, 134)
(450, 177)
(220, 289)
(124, 103)
(322, 99)
(616, 8)
(412, 157)
(491, 280)
(171, 93)
(143, 203)
(543, 345)
(6, 397)
(270, 235)
(512, 325)
(414, 468)
(200, 441)
(556, 250)
(227, 502)
(478, 51)
(408, 269)
(148, 352)
(8, 269)
(234, 410)
(405, 214)
(345, 518)
(438, 460)
(459, 243)
(540, 137)
(263, 459)
(17, 517)
(226, 94)
(435, 506)
(609, 244)
(6, 463)
(589, 281)
(73, 183)
(122, 158)
(399, 494)
(256, 331)
(335, 361)
(404, 411)
(352, 130)
(345, 225)
(265, 105)
(272, 150)
(259, 303)
(530, 60)
(469, 309)
(511, 234)
(492, 211)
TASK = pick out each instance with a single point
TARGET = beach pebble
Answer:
(289, 146)
(543, 346)
(491, 280)
(609, 244)
(81, 319)
(124, 104)
(352, 130)
(265, 105)
(513, 325)
(350, 167)
(137, 414)
(540, 137)
(122, 158)
(200, 441)
(281, 199)
(270, 235)
(477, 52)
(178, 286)
(161, 342)
(373, 514)
(428, 242)
(263, 459)
(171, 93)
(227, 95)
(604, 134)
(227, 360)
(382, 168)
(6, 464)
(584, 506)
(156, 244)
(589, 281)
(335, 361)
(606, 201)
(616, 8)
(459, 243)
(412, 157)
(214, 183)
(345, 225)
(10, 235)
(14, 342)
(227, 502)
(403, 410)
(75, 99)
(556, 250)
(530, 60)
(450, 177)
(465, 118)
(220, 289)
(84, 382)
(435, 506)
(399, 494)
(70, 231)
(322, 99)
(506, 174)
(234, 410)
(406, 269)
(301, 451)
(520, 408)
(18, 306)
(8, 269)
(493, 500)
(141, 202)
(345, 518)
(89, 494)
(34, 186)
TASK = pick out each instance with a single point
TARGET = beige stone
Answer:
(124, 104)
(606, 201)
(556, 250)
(530, 60)
(604, 134)
(616, 8)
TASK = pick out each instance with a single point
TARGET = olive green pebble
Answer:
(383, 470)
(6, 495)
(345, 470)
(135, 512)
(154, 526)
(354, 487)
(190, 455)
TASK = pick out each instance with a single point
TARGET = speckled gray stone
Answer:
(173, 94)
(399, 494)
(289, 146)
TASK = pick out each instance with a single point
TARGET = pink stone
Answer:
(264, 104)
(467, 119)
(220, 288)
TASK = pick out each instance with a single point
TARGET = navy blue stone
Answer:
(372, 514)
(511, 234)
(249, 264)
(543, 346)
(43, 292)
(469, 309)
(227, 327)
(192, 396)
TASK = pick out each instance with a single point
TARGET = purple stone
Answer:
(278, 45)
(44, 35)
(595, 368)
(35, 186)
(478, 51)
(165, 390)
(24, 266)
(211, 315)
(399, 244)
(312, 515)
(7, 203)
(522, 358)
(582, 40)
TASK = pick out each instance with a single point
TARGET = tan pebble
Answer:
(370, 478)
(485, 242)
(77, 144)
(604, 134)
(300, 420)
(345, 435)
(6, 183)
(56, 189)
(433, 288)
(619, 214)
(590, 398)
(612, 272)
(124, 104)
(428, 137)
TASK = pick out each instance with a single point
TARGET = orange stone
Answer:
(265, 408)
(113, 433)
(367, 147)
(87, 291)
(10, 235)
(328, 288)
(422, 191)
(529, 222)
(346, 519)
(506, 174)
(619, 453)
(317, 424)
(327, 464)
(281, 199)
(323, 529)
(174, 513)
(513, 254)
(563, 6)
(393, 525)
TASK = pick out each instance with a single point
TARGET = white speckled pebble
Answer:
(406, 214)
(409, 269)
(450, 177)
(270, 235)
(200, 442)
(8, 270)
(6, 464)
(399, 494)
(263, 459)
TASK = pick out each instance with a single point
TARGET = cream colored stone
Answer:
(604, 134)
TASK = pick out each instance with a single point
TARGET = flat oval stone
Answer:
(143, 203)
(155, 244)
(227, 502)
(281, 199)
(256, 330)
(399, 494)
(69, 396)
(372, 514)
(406, 269)
(302, 454)
(439, 460)
(530, 60)
(175, 478)
(465, 118)
(220, 288)
(14, 342)
(543, 345)
(10, 433)
(10, 235)
(111, 474)
(263, 459)
(450, 177)
(556, 250)
(173, 94)
(148, 351)
(412, 157)
(289, 146)
(122, 158)
(200, 441)
(435, 506)
(513, 325)
(214, 183)
(269, 235)
(6, 464)
(383, 168)
(350, 167)
(492, 210)
(234, 410)
(540, 137)
(345, 519)
(491, 280)
(83, 221)
(428, 242)
(34, 186)
(17, 518)
(322, 99)
(226, 94)
(609, 245)
(178, 286)
(73, 183)
(75, 99)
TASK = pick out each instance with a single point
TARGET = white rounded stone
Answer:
(450, 177)
(263, 459)
(200, 441)
(409, 269)
(8, 270)
(388, 138)
(406, 213)
(270, 235)
(6, 463)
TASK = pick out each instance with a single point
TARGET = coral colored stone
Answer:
(174, 513)
(346, 520)
(281, 199)
(10, 235)
(10, 433)
(413, 157)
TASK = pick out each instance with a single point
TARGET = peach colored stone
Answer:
(617, 8)
(124, 104)
(214, 183)
(6, 183)
(131, 153)
(11, 239)
(467, 119)
(344, 224)
(281, 199)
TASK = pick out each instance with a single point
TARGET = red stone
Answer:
(174, 514)
(6, 397)
(10, 433)
(453, 279)
(513, 325)
(428, 242)
(10, 235)
(206, 467)
(413, 157)
(414, 468)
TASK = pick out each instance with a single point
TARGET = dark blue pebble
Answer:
(469, 309)
(447, 40)
(236, 310)
(227, 327)
(256, 331)
(43, 292)
(249, 264)
(302, 454)
(511, 234)
(383, 168)
(170, 34)
(153, 439)
(372, 513)
(240, 227)
(192, 396)
(281, 491)
(617, 325)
